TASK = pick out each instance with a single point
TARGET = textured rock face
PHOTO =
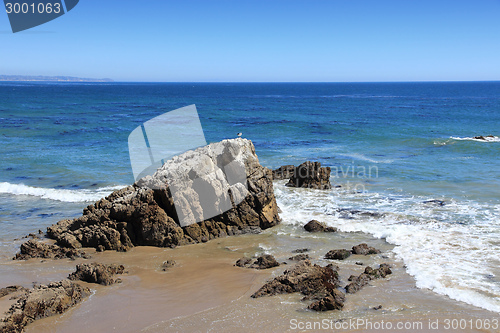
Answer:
(316, 226)
(338, 254)
(311, 175)
(369, 274)
(37, 249)
(364, 249)
(311, 280)
(97, 273)
(284, 172)
(147, 213)
(263, 262)
(40, 302)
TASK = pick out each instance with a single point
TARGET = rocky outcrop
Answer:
(311, 175)
(284, 172)
(313, 281)
(299, 257)
(97, 273)
(40, 302)
(37, 249)
(176, 205)
(338, 254)
(484, 138)
(369, 274)
(333, 302)
(263, 262)
(316, 226)
(364, 249)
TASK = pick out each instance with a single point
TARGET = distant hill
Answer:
(49, 78)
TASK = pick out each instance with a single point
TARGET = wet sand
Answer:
(204, 292)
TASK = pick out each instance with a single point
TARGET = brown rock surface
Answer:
(97, 273)
(145, 214)
(311, 280)
(369, 274)
(311, 175)
(40, 302)
(316, 226)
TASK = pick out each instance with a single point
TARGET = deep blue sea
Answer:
(391, 147)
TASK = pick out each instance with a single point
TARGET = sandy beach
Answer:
(205, 292)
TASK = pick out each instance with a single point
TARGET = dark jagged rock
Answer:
(263, 262)
(338, 254)
(306, 278)
(40, 302)
(284, 172)
(299, 257)
(243, 262)
(328, 303)
(346, 213)
(301, 250)
(369, 274)
(435, 202)
(316, 226)
(311, 175)
(10, 290)
(145, 214)
(364, 249)
(97, 273)
(37, 249)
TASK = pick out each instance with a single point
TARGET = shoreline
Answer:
(205, 291)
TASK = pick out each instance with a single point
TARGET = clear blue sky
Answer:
(262, 40)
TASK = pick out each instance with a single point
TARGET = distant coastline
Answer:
(49, 78)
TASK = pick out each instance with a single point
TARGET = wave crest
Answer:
(63, 195)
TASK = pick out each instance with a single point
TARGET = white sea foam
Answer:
(63, 195)
(451, 249)
(486, 139)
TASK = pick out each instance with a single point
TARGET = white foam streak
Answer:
(63, 195)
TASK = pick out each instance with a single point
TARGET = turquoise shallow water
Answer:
(63, 146)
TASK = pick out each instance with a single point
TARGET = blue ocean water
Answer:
(391, 146)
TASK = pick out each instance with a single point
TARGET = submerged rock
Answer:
(369, 274)
(364, 249)
(333, 302)
(168, 264)
(311, 175)
(97, 273)
(435, 202)
(338, 254)
(40, 302)
(299, 257)
(316, 226)
(301, 250)
(145, 213)
(263, 262)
